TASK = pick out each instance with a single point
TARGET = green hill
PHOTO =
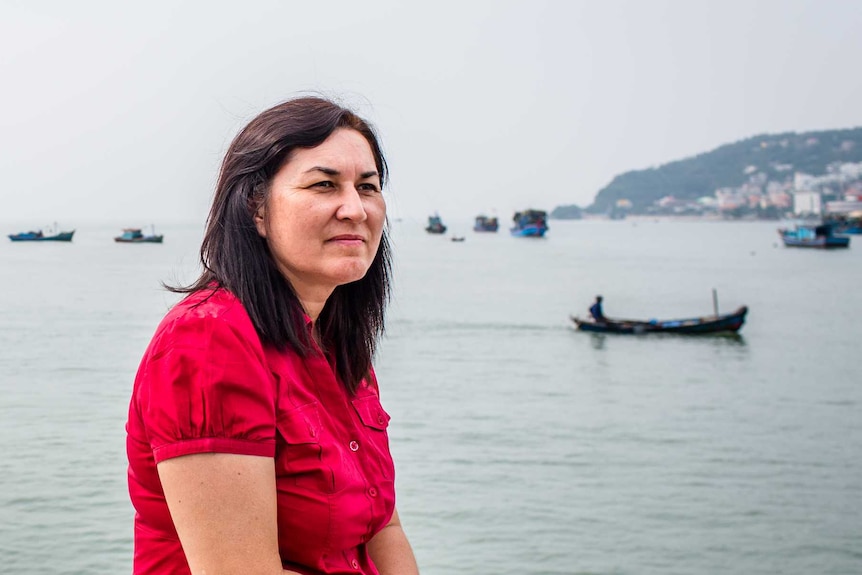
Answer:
(777, 156)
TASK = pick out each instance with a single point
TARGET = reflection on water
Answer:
(597, 340)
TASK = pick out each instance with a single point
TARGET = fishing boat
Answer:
(530, 224)
(486, 224)
(808, 236)
(39, 236)
(726, 323)
(845, 223)
(435, 225)
(136, 236)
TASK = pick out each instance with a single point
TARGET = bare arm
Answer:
(224, 509)
(391, 551)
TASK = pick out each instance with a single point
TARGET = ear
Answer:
(260, 220)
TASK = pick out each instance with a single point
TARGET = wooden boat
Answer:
(38, 236)
(136, 236)
(726, 323)
(530, 224)
(804, 236)
(435, 225)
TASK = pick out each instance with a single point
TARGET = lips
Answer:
(347, 239)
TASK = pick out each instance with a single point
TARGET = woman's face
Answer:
(324, 215)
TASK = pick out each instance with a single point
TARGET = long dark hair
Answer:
(235, 257)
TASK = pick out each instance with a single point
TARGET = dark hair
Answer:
(237, 258)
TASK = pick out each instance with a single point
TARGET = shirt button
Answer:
(380, 420)
(354, 446)
(355, 564)
(372, 492)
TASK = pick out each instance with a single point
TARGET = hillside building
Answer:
(807, 203)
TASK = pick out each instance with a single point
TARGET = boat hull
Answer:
(31, 237)
(819, 243)
(143, 240)
(529, 232)
(728, 323)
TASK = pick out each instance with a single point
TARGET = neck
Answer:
(313, 301)
(312, 296)
(313, 310)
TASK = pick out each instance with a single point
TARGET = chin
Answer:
(350, 274)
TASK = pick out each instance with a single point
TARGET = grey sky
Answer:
(118, 113)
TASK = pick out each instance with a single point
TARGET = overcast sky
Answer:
(119, 113)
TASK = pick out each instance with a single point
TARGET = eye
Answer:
(368, 187)
(323, 184)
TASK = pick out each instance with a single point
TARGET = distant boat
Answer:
(38, 236)
(435, 225)
(727, 323)
(808, 236)
(457, 238)
(136, 236)
(530, 223)
(485, 224)
(846, 223)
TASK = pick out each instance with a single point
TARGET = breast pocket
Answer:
(375, 422)
(298, 449)
(371, 412)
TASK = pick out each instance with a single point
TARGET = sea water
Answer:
(521, 445)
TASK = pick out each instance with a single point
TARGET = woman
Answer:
(256, 439)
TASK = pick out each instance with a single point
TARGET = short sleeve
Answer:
(205, 387)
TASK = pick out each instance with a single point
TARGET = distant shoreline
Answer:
(668, 218)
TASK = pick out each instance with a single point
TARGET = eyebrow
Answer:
(332, 172)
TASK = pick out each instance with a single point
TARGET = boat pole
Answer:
(715, 302)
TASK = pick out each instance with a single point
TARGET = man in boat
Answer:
(596, 310)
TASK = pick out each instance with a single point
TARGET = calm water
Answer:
(522, 446)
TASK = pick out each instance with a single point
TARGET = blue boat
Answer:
(485, 224)
(38, 236)
(435, 225)
(808, 236)
(530, 224)
(845, 223)
(136, 236)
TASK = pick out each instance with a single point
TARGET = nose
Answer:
(351, 206)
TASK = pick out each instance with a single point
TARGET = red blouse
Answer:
(207, 384)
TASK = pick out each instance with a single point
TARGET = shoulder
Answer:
(205, 319)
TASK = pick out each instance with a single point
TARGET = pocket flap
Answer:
(371, 412)
(300, 425)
